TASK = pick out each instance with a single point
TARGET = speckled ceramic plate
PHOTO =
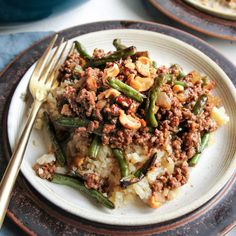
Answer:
(36, 215)
(188, 15)
(221, 11)
(211, 174)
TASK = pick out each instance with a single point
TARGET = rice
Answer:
(143, 190)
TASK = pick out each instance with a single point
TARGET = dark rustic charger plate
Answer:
(193, 18)
(37, 216)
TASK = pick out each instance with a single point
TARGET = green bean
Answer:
(130, 51)
(139, 174)
(169, 78)
(154, 64)
(94, 147)
(60, 156)
(178, 69)
(126, 89)
(181, 75)
(143, 170)
(153, 94)
(204, 140)
(82, 51)
(205, 80)
(71, 122)
(194, 160)
(124, 169)
(118, 45)
(75, 122)
(147, 104)
(200, 105)
(182, 83)
(78, 184)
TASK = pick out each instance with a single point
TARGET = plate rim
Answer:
(124, 24)
(157, 6)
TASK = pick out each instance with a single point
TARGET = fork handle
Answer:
(12, 170)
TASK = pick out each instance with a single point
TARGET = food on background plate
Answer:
(219, 4)
(123, 128)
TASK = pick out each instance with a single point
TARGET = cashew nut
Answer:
(130, 78)
(130, 65)
(143, 65)
(128, 121)
(178, 88)
(141, 84)
(145, 61)
(108, 93)
(143, 69)
(112, 71)
(182, 97)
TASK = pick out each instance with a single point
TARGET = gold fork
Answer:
(42, 80)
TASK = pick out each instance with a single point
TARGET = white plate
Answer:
(222, 11)
(217, 163)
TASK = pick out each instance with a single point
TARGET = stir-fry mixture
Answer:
(219, 4)
(122, 128)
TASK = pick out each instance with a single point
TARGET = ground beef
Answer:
(172, 181)
(86, 99)
(178, 153)
(97, 114)
(157, 186)
(179, 177)
(93, 78)
(191, 141)
(98, 53)
(111, 110)
(108, 128)
(92, 181)
(45, 171)
(66, 111)
(133, 108)
(66, 71)
(143, 136)
(120, 139)
(81, 132)
(93, 125)
(70, 95)
(206, 123)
